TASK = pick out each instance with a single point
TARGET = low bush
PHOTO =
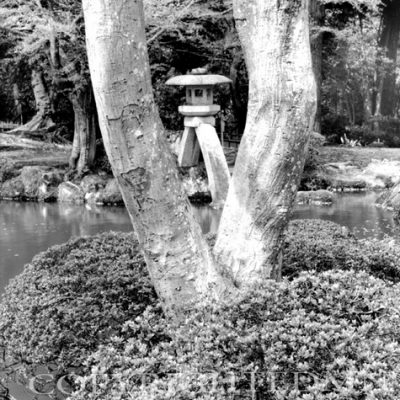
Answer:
(311, 162)
(333, 330)
(310, 179)
(323, 245)
(331, 336)
(7, 170)
(384, 131)
(375, 133)
(73, 297)
(314, 180)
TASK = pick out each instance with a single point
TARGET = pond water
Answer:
(357, 211)
(29, 228)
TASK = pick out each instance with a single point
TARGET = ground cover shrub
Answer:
(7, 170)
(379, 130)
(73, 297)
(90, 302)
(316, 141)
(333, 335)
(320, 245)
(312, 178)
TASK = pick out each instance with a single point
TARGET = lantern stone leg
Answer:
(189, 148)
(216, 165)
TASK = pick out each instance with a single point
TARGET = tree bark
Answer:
(84, 143)
(384, 98)
(17, 102)
(18, 142)
(53, 39)
(239, 109)
(389, 41)
(176, 254)
(42, 118)
(316, 19)
(282, 102)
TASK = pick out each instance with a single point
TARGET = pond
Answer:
(357, 211)
(29, 228)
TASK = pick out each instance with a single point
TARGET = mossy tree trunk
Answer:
(43, 117)
(84, 143)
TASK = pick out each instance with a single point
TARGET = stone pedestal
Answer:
(216, 165)
(189, 148)
(200, 134)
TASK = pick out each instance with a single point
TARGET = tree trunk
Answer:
(53, 39)
(282, 102)
(42, 119)
(239, 109)
(389, 41)
(316, 20)
(18, 142)
(17, 103)
(84, 144)
(384, 98)
(176, 254)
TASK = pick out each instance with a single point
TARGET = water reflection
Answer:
(29, 228)
(357, 211)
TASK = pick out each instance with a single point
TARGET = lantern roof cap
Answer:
(197, 80)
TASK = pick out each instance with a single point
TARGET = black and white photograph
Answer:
(199, 200)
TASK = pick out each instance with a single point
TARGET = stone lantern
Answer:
(199, 134)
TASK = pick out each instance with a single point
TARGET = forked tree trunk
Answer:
(84, 143)
(42, 118)
(176, 254)
(281, 110)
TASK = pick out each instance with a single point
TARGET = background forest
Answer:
(45, 84)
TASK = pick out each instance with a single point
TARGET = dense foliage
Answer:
(200, 33)
(333, 335)
(47, 38)
(195, 34)
(90, 302)
(352, 59)
(356, 62)
(72, 297)
(323, 245)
